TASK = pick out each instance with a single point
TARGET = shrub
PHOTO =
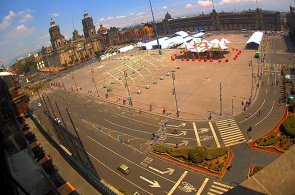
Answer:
(273, 135)
(292, 106)
(109, 90)
(180, 153)
(288, 127)
(269, 142)
(162, 149)
(198, 154)
(215, 153)
(123, 191)
(255, 170)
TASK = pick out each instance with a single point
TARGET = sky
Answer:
(24, 25)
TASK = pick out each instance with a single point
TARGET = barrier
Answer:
(95, 182)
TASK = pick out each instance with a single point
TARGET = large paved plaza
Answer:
(197, 83)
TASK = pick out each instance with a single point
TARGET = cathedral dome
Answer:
(167, 16)
(102, 30)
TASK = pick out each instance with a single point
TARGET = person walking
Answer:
(151, 107)
(259, 113)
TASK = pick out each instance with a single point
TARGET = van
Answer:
(244, 30)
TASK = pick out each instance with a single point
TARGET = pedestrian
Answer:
(107, 95)
(249, 114)
(259, 113)
(164, 110)
(124, 101)
(178, 111)
(151, 107)
(242, 103)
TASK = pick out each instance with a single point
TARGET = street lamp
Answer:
(130, 98)
(160, 53)
(92, 71)
(174, 90)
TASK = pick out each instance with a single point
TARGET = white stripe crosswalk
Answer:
(218, 188)
(230, 132)
(273, 65)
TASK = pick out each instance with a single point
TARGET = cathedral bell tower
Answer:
(88, 26)
(56, 38)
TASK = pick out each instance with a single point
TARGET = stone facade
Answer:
(253, 20)
(64, 52)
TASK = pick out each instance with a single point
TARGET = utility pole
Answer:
(130, 98)
(173, 79)
(220, 89)
(160, 53)
(251, 64)
(92, 71)
(74, 80)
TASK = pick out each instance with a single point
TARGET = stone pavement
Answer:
(65, 170)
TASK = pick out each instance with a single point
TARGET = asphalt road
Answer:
(152, 174)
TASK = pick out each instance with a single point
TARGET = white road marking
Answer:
(118, 174)
(183, 142)
(254, 112)
(214, 135)
(128, 159)
(266, 115)
(177, 183)
(154, 184)
(196, 133)
(169, 170)
(202, 186)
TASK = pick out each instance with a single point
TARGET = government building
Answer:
(252, 20)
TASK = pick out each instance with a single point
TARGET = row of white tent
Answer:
(166, 42)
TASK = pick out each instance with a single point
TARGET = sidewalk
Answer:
(65, 170)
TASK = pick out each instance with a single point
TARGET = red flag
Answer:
(0, 61)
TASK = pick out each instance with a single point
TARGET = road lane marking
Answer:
(202, 186)
(118, 173)
(254, 112)
(126, 127)
(154, 184)
(266, 115)
(214, 135)
(177, 183)
(127, 159)
(169, 170)
(196, 133)
(156, 125)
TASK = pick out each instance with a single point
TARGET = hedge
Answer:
(215, 153)
(197, 154)
(269, 142)
(288, 127)
(162, 149)
(180, 154)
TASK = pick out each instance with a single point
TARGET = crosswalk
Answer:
(230, 132)
(278, 66)
(218, 188)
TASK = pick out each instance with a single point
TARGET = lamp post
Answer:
(92, 71)
(160, 53)
(174, 90)
(74, 80)
(130, 98)
(220, 89)
(251, 64)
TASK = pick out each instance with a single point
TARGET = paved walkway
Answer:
(65, 170)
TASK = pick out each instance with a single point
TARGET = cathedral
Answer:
(64, 52)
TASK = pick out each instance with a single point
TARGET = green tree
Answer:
(197, 154)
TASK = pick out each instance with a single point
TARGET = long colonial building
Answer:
(252, 19)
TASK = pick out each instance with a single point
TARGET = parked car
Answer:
(124, 169)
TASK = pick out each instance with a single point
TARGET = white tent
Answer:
(256, 38)
(215, 41)
(198, 35)
(127, 48)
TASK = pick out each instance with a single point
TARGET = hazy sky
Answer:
(24, 24)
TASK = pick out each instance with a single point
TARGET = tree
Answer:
(198, 154)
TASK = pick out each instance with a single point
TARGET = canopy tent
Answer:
(215, 41)
(127, 48)
(198, 35)
(218, 47)
(254, 41)
(185, 46)
(181, 34)
(152, 44)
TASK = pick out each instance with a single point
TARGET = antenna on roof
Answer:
(257, 4)
(213, 4)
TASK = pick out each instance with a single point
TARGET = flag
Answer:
(0, 61)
